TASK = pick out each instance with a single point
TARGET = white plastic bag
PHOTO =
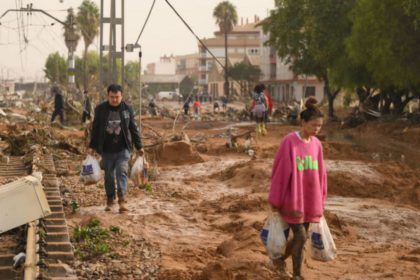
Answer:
(137, 168)
(322, 244)
(274, 235)
(139, 171)
(91, 171)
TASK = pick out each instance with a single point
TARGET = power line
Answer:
(192, 31)
(20, 45)
(53, 34)
(145, 22)
(201, 42)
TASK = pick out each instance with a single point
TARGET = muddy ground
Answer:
(208, 203)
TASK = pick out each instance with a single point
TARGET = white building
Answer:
(283, 84)
(165, 66)
(243, 40)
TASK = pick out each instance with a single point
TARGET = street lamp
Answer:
(130, 48)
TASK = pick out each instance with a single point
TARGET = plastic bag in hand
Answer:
(137, 168)
(139, 171)
(274, 235)
(91, 171)
(322, 244)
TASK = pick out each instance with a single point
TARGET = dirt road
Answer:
(203, 217)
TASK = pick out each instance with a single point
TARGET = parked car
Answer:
(167, 95)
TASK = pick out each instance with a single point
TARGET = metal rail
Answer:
(48, 248)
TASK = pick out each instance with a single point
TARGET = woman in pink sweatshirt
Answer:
(299, 182)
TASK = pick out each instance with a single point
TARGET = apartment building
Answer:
(245, 39)
(284, 85)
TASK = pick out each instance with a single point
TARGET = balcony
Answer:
(202, 81)
(203, 54)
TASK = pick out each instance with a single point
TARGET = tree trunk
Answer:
(331, 97)
(85, 76)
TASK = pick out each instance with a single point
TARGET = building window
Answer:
(253, 51)
(309, 91)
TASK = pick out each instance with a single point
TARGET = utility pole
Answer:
(114, 53)
(226, 84)
(71, 43)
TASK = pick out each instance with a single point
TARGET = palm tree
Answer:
(71, 38)
(88, 22)
(226, 17)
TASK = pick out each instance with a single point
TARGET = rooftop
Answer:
(158, 79)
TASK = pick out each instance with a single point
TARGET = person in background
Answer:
(58, 105)
(152, 107)
(224, 103)
(186, 106)
(87, 108)
(216, 107)
(259, 109)
(269, 100)
(299, 183)
(197, 109)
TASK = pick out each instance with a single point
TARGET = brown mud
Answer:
(202, 218)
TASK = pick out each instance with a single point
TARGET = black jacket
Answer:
(129, 127)
(87, 107)
(58, 102)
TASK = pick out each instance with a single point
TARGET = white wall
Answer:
(283, 72)
(165, 68)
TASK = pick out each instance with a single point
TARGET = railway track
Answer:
(46, 242)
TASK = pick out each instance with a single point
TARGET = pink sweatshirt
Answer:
(299, 180)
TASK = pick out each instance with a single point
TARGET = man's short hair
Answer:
(114, 88)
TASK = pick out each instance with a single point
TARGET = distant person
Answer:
(293, 115)
(299, 183)
(224, 103)
(259, 109)
(114, 132)
(216, 107)
(87, 108)
(152, 107)
(186, 106)
(269, 100)
(58, 105)
(197, 109)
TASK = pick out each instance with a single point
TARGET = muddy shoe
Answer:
(123, 206)
(109, 204)
(263, 130)
(280, 269)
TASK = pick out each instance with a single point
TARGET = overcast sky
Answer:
(164, 33)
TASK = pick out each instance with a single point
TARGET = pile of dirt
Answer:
(255, 174)
(366, 180)
(341, 150)
(178, 153)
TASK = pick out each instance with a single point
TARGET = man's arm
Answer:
(95, 130)
(134, 130)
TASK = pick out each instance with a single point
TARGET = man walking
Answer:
(114, 131)
(87, 108)
(58, 105)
